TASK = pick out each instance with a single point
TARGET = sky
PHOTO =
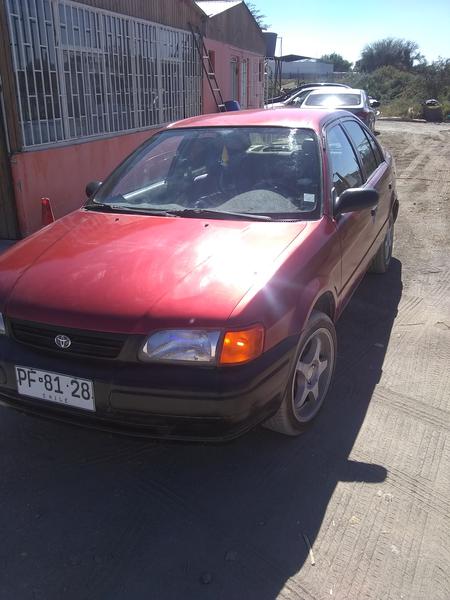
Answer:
(314, 28)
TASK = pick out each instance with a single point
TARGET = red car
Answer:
(195, 293)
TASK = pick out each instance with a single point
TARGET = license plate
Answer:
(54, 387)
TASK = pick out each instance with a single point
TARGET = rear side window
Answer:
(359, 138)
(344, 164)
(376, 148)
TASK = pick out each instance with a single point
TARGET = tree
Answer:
(398, 53)
(437, 77)
(257, 15)
(339, 63)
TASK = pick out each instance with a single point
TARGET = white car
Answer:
(296, 99)
(353, 100)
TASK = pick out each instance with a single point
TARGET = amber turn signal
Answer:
(242, 346)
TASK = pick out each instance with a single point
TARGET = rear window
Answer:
(331, 100)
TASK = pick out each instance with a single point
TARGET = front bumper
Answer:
(165, 401)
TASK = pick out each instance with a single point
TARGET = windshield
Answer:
(272, 171)
(331, 100)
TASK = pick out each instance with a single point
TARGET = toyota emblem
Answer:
(62, 341)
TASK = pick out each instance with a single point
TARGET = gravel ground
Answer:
(87, 515)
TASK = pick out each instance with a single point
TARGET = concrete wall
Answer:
(223, 56)
(61, 173)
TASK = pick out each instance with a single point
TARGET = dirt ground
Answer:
(86, 515)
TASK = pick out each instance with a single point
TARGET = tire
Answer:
(309, 379)
(382, 258)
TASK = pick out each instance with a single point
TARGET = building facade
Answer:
(236, 48)
(82, 84)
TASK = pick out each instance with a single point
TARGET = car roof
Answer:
(284, 117)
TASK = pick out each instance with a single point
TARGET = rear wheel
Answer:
(310, 377)
(383, 256)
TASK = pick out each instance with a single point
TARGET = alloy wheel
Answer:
(313, 375)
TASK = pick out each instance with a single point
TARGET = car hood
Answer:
(130, 273)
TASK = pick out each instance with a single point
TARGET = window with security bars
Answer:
(84, 72)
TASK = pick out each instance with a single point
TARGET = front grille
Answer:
(83, 343)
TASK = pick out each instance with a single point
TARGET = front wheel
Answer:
(310, 377)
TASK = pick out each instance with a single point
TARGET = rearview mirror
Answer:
(374, 103)
(356, 199)
(92, 188)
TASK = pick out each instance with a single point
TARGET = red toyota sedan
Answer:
(194, 295)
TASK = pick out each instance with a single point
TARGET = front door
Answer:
(356, 229)
(8, 217)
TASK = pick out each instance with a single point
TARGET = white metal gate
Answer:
(84, 72)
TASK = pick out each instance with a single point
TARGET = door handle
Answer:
(373, 211)
(390, 185)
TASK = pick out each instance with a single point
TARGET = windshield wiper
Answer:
(221, 214)
(119, 208)
(187, 212)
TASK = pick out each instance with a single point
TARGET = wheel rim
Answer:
(312, 375)
(388, 243)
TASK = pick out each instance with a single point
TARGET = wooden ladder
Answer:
(208, 68)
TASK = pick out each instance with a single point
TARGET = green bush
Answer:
(388, 84)
(400, 92)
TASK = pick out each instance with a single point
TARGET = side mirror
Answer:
(374, 103)
(92, 188)
(356, 199)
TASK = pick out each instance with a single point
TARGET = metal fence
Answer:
(84, 72)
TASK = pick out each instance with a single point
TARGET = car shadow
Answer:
(93, 515)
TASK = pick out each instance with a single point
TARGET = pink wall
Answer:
(61, 173)
(223, 55)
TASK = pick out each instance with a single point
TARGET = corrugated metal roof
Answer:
(215, 7)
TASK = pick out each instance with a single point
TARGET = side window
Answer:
(361, 142)
(376, 148)
(298, 99)
(344, 165)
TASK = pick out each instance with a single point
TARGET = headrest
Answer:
(237, 142)
(309, 146)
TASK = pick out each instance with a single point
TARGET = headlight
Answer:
(179, 345)
(2, 325)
